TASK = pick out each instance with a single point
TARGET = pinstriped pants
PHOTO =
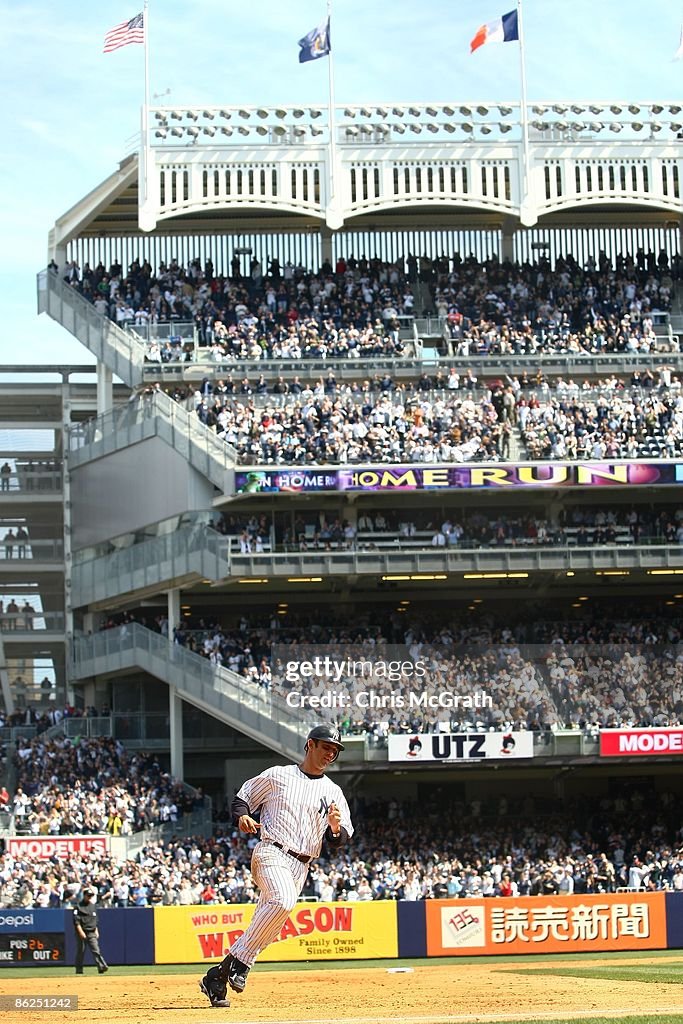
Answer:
(280, 879)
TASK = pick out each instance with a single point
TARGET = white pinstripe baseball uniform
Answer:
(294, 808)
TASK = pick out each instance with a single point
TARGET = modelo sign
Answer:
(641, 742)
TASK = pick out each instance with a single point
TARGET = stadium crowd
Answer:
(66, 786)
(434, 422)
(507, 846)
(352, 309)
(583, 674)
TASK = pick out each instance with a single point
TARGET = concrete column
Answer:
(175, 717)
(175, 704)
(105, 389)
(326, 245)
(507, 244)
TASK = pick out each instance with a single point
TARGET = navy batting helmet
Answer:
(328, 734)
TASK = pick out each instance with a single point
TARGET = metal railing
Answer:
(24, 623)
(154, 414)
(112, 346)
(20, 551)
(261, 714)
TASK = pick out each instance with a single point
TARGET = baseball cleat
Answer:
(214, 989)
(237, 975)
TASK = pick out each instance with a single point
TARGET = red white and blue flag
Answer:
(502, 30)
(132, 31)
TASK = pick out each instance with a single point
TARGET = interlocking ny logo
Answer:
(324, 806)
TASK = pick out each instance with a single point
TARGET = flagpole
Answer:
(331, 111)
(525, 114)
(145, 107)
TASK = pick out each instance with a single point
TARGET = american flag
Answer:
(132, 31)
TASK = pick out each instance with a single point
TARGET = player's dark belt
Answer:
(292, 853)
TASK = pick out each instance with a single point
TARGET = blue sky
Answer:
(70, 111)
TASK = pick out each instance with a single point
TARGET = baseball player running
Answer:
(298, 808)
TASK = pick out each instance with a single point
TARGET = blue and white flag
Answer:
(316, 43)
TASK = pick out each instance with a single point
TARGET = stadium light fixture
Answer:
(176, 115)
(246, 114)
(505, 128)
(540, 126)
(449, 127)
(208, 114)
(615, 126)
(467, 127)
(209, 130)
(316, 131)
(675, 127)
(280, 113)
(366, 129)
(382, 112)
(279, 129)
(192, 131)
(561, 126)
(400, 128)
(398, 111)
(485, 129)
(243, 130)
(637, 126)
(616, 109)
(466, 111)
(448, 111)
(226, 130)
(262, 112)
(298, 112)
(595, 110)
(539, 110)
(352, 132)
(364, 112)
(161, 133)
(576, 109)
(299, 132)
(261, 129)
(559, 109)
(505, 111)
(315, 112)
(656, 108)
(633, 109)
(414, 111)
(226, 114)
(160, 115)
(432, 127)
(482, 111)
(177, 132)
(655, 126)
(675, 109)
(577, 126)
(349, 112)
(192, 115)
(432, 111)
(417, 128)
(595, 126)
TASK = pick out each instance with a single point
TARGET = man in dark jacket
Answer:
(87, 932)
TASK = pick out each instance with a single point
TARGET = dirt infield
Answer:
(442, 993)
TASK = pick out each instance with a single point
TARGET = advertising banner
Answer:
(539, 924)
(451, 746)
(422, 477)
(44, 847)
(641, 742)
(313, 931)
(31, 936)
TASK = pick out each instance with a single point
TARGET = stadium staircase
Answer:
(245, 706)
(154, 414)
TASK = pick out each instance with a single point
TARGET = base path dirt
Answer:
(448, 993)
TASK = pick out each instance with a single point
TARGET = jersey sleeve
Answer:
(255, 791)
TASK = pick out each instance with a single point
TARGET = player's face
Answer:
(323, 753)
